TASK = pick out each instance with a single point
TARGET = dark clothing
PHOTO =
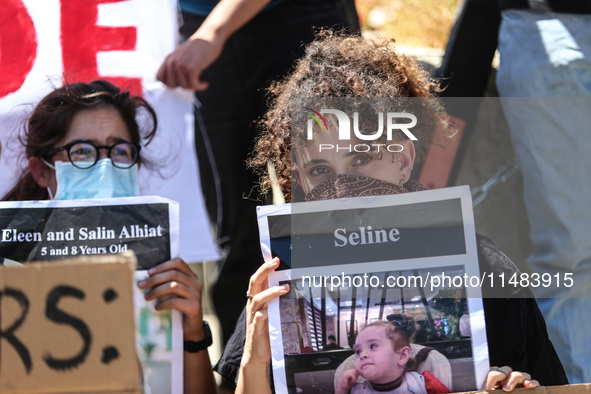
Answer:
(261, 51)
(515, 327)
(229, 364)
(331, 346)
(204, 7)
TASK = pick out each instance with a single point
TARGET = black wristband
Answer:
(195, 347)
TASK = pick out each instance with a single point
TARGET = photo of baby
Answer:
(366, 339)
(383, 360)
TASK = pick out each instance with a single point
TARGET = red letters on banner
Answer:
(82, 39)
(18, 46)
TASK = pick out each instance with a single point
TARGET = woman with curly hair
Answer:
(336, 66)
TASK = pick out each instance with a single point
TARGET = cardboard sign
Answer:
(53, 230)
(68, 327)
(584, 388)
(354, 261)
(148, 226)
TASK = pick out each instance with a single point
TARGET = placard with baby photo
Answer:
(384, 294)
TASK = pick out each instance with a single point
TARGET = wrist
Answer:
(195, 336)
(253, 364)
(195, 346)
(212, 32)
(193, 330)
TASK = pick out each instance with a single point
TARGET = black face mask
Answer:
(345, 186)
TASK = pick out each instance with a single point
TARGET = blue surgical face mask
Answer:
(103, 180)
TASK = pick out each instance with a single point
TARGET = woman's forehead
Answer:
(326, 146)
(322, 147)
(100, 126)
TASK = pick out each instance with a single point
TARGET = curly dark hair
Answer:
(336, 65)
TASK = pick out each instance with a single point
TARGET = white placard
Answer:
(420, 234)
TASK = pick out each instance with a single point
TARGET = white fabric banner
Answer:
(123, 41)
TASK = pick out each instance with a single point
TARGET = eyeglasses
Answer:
(84, 155)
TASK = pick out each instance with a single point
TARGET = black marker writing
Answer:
(56, 315)
(8, 334)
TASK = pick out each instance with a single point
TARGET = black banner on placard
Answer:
(348, 236)
(54, 233)
(280, 235)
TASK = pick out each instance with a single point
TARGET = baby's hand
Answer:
(346, 381)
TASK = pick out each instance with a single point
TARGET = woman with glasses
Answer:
(117, 168)
(83, 141)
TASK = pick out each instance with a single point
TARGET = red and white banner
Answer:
(123, 41)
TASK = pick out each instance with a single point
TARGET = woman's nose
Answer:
(103, 153)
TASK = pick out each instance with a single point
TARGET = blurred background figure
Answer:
(332, 343)
(545, 81)
(465, 325)
(233, 49)
(547, 54)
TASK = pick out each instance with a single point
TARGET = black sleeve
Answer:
(515, 328)
(229, 364)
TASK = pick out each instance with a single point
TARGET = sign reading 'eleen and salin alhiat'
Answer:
(53, 230)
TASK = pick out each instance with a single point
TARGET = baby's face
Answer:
(377, 361)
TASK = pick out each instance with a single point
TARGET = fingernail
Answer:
(151, 270)
(285, 287)
(142, 283)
